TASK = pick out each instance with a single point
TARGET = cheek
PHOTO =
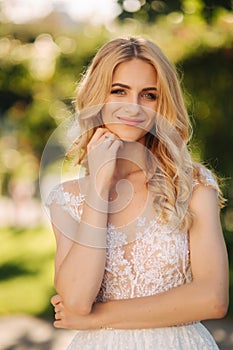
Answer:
(108, 111)
(151, 119)
(105, 113)
(151, 122)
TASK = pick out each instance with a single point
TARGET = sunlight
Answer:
(21, 11)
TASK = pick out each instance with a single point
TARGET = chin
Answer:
(127, 139)
(131, 138)
(130, 135)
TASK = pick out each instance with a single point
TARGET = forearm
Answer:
(184, 304)
(79, 277)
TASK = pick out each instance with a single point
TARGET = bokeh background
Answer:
(45, 46)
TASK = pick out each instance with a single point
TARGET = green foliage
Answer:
(37, 87)
(211, 106)
(26, 268)
(149, 11)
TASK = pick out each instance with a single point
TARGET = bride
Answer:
(140, 257)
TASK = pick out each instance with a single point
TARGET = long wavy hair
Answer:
(172, 178)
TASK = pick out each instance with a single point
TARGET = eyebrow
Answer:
(128, 87)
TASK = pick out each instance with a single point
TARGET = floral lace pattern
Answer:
(69, 202)
(156, 260)
(207, 177)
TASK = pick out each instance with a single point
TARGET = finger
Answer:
(98, 133)
(95, 140)
(58, 308)
(116, 145)
(58, 315)
(102, 134)
(106, 136)
(110, 137)
(56, 299)
(57, 324)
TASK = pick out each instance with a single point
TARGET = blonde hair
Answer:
(172, 180)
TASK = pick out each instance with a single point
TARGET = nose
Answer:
(132, 106)
(133, 98)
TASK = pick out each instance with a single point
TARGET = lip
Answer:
(130, 121)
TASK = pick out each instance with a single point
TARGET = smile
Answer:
(130, 121)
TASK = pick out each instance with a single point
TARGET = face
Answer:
(130, 108)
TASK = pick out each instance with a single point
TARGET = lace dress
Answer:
(156, 261)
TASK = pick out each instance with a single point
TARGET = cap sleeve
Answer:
(67, 201)
(205, 177)
(65, 209)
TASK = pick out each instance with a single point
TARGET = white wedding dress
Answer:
(156, 261)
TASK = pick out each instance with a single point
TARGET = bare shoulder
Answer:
(75, 186)
(206, 195)
(205, 209)
(204, 198)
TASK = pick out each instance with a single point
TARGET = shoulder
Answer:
(66, 191)
(206, 195)
(67, 197)
(203, 176)
(203, 199)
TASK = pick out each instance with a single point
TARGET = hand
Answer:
(102, 154)
(69, 320)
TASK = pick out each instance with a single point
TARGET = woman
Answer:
(140, 252)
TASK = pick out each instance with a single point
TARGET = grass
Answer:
(26, 270)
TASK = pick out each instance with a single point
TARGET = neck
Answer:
(131, 159)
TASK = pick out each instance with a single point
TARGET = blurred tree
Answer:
(150, 10)
(212, 109)
(38, 72)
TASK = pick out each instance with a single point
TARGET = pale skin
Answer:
(205, 297)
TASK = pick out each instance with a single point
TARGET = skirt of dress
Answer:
(188, 337)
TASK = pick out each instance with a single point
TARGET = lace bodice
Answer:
(157, 260)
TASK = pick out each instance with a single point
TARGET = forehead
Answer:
(135, 71)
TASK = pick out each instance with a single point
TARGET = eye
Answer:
(118, 92)
(149, 95)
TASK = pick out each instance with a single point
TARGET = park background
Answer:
(44, 48)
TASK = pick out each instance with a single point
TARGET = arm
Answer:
(205, 297)
(79, 267)
(79, 264)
